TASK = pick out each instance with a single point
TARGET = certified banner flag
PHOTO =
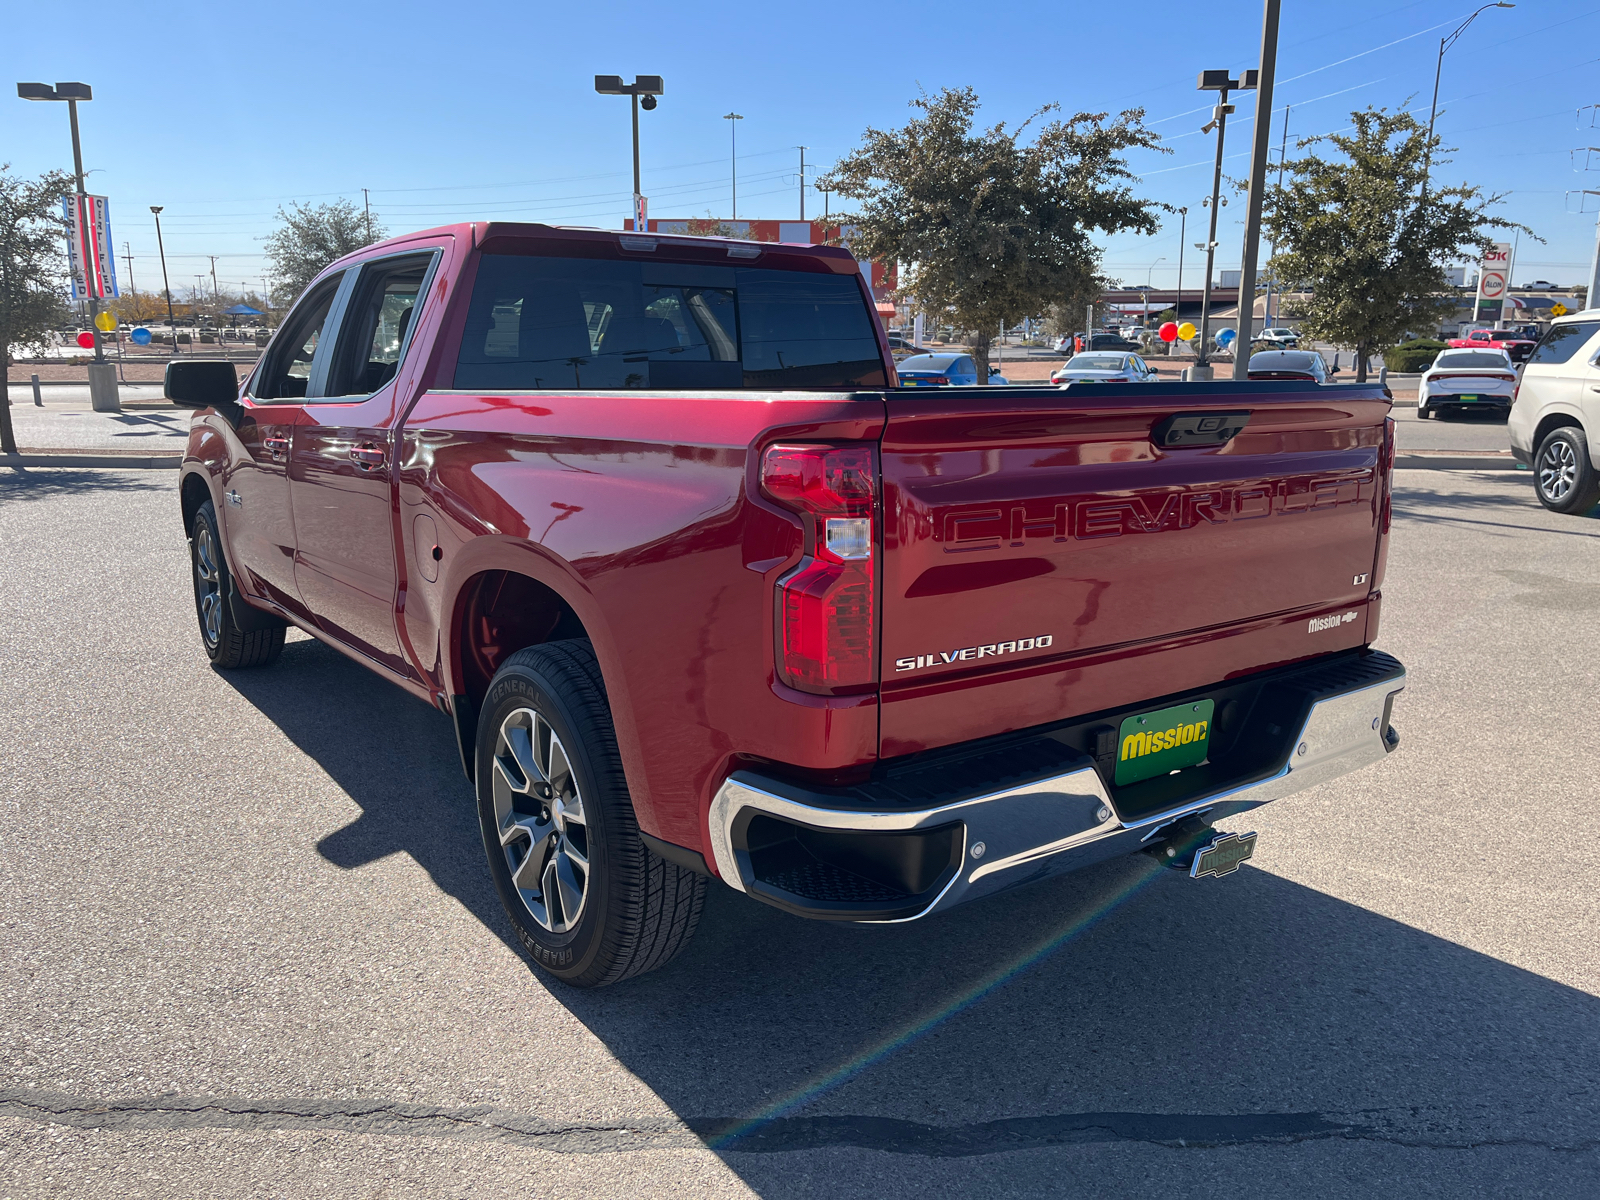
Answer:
(89, 258)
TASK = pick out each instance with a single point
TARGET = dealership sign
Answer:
(89, 257)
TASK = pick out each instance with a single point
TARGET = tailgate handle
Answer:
(1199, 429)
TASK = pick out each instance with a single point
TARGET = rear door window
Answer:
(1561, 342)
(590, 324)
(376, 326)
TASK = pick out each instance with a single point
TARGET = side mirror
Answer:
(1333, 370)
(994, 370)
(202, 383)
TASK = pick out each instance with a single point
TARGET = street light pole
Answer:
(102, 375)
(1438, 69)
(1148, 275)
(649, 87)
(1183, 230)
(1222, 83)
(733, 129)
(161, 248)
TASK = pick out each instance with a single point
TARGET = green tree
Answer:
(1351, 229)
(310, 236)
(988, 227)
(33, 273)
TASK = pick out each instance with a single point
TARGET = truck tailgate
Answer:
(1045, 557)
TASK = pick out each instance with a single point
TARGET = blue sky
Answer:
(221, 114)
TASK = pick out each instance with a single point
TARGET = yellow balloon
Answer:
(1186, 331)
(106, 322)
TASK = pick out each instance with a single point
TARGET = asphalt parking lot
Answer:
(252, 948)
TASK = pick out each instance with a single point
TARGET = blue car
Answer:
(942, 370)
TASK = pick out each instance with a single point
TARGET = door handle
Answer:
(368, 457)
(276, 445)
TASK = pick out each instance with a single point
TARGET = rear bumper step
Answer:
(821, 853)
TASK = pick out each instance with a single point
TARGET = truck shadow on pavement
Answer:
(1122, 1009)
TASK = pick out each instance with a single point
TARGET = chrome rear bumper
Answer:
(1062, 823)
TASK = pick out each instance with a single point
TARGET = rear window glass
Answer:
(587, 324)
(1472, 359)
(1561, 342)
(1096, 362)
(1281, 360)
(929, 362)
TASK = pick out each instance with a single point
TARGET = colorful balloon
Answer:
(1169, 331)
(86, 340)
(140, 336)
(1186, 332)
(1225, 338)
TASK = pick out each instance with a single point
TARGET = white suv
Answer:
(1555, 417)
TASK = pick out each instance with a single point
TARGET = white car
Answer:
(1102, 367)
(1555, 414)
(1467, 380)
(1282, 339)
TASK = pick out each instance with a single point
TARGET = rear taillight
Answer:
(827, 605)
(940, 379)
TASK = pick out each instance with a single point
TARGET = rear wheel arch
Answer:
(498, 612)
(1551, 422)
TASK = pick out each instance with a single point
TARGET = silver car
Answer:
(1099, 366)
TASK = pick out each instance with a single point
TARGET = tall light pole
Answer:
(1223, 83)
(1183, 231)
(1259, 153)
(802, 150)
(649, 87)
(1438, 69)
(172, 324)
(733, 120)
(1145, 320)
(102, 375)
(1272, 247)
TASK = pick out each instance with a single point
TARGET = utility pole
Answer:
(733, 119)
(366, 204)
(803, 150)
(127, 257)
(215, 295)
(172, 324)
(1259, 153)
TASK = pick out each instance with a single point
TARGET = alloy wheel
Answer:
(541, 822)
(208, 583)
(1558, 470)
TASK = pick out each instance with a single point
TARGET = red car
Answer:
(1513, 343)
(705, 596)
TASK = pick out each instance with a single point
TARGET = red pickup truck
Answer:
(705, 596)
(1514, 344)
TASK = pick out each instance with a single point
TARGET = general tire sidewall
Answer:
(206, 515)
(1574, 501)
(569, 954)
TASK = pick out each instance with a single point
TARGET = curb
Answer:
(132, 462)
(1494, 460)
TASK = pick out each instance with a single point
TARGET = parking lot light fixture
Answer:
(172, 325)
(72, 93)
(1223, 83)
(1445, 43)
(648, 87)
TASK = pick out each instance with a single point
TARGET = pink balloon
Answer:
(86, 340)
(1169, 331)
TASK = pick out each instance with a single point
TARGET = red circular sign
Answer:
(1494, 285)
(86, 340)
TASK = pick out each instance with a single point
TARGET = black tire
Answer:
(1423, 412)
(1563, 477)
(226, 644)
(547, 826)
